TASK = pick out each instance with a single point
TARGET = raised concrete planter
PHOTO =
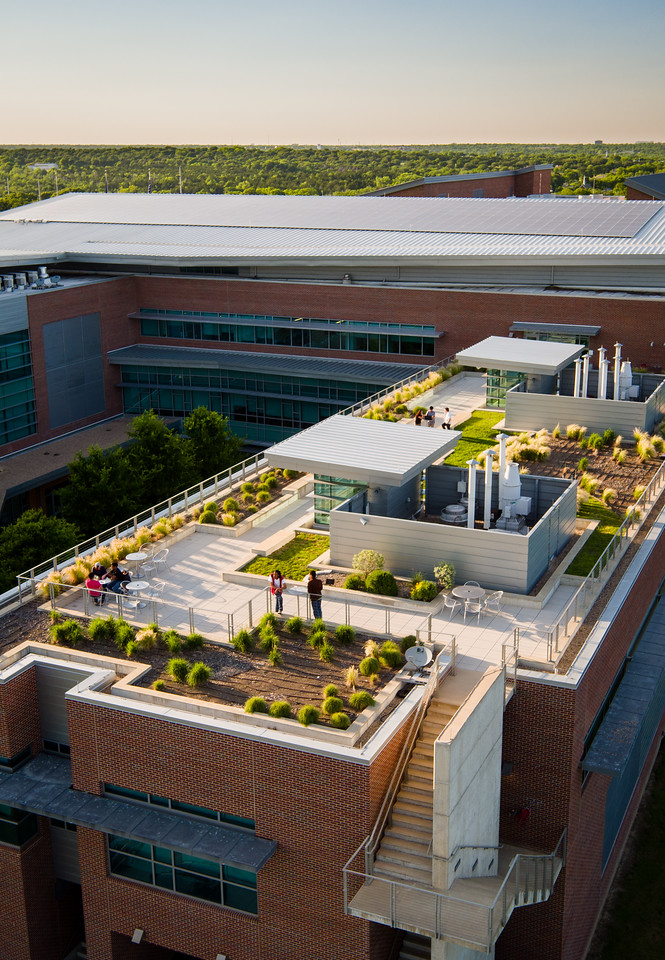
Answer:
(293, 492)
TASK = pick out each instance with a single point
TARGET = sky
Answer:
(348, 72)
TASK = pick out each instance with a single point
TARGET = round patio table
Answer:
(468, 592)
(136, 587)
(137, 558)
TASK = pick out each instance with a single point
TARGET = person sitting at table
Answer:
(118, 578)
(98, 571)
(94, 588)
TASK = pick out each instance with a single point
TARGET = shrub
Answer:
(351, 677)
(178, 668)
(243, 641)
(444, 575)
(594, 442)
(583, 464)
(368, 560)
(274, 656)
(381, 582)
(345, 634)
(556, 433)
(229, 519)
(280, 708)
(263, 496)
(608, 496)
(247, 488)
(317, 638)
(252, 508)
(272, 482)
(332, 705)
(319, 624)
(638, 492)
(55, 616)
(290, 474)
(208, 517)
(158, 685)
(307, 715)
(269, 639)
(231, 505)
(330, 690)
(369, 666)
(263, 488)
(124, 634)
(589, 483)
(248, 498)
(326, 652)
(609, 436)
(199, 674)
(361, 699)
(425, 590)
(294, 625)
(340, 720)
(575, 432)
(68, 633)
(193, 641)
(146, 639)
(211, 507)
(172, 641)
(256, 705)
(391, 655)
(269, 620)
(97, 628)
(354, 582)
(416, 577)
(407, 642)
(132, 648)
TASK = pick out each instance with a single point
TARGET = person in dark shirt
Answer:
(118, 578)
(315, 589)
(98, 571)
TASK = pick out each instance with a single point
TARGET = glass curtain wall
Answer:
(498, 384)
(329, 493)
(18, 416)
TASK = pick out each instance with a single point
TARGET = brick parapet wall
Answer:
(317, 809)
(19, 714)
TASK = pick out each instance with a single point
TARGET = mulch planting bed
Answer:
(300, 678)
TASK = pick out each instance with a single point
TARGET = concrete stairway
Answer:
(415, 947)
(404, 853)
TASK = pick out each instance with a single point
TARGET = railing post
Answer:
(249, 614)
(155, 612)
(229, 626)
(429, 628)
(347, 613)
(386, 620)
(191, 619)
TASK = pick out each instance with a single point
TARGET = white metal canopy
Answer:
(368, 451)
(522, 356)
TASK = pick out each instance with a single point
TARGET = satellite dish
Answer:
(418, 656)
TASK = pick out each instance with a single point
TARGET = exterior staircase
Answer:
(404, 853)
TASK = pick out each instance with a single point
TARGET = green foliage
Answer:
(368, 666)
(98, 629)
(575, 432)
(317, 638)
(269, 620)
(319, 625)
(229, 519)
(583, 464)
(326, 652)
(274, 656)
(332, 705)
(30, 540)
(208, 516)
(307, 715)
(172, 641)
(272, 482)
(269, 639)
(100, 490)
(330, 690)
(444, 575)
(211, 507)
(161, 463)
(211, 444)
(263, 496)
(256, 705)
(243, 641)
(132, 648)
(360, 700)
(391, 656)
(368, 560)
(609, 436)
(354, 582)
(425, 590)
(158, 685)
(178, 668)
(66, 634)
(290, 474)
(199, 674)
(608, 523)
(231, 505)
(340, 720)
(124, 634)
(477, 435)
(594, 441)
(381, 582)
(408, 641)
(280, 709)
(345, 633)
(247, 488)
(193, 641)
(294, 625)
(293, 559)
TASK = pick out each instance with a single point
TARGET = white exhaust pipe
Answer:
(489, 456)
(617, 370)
(471, 508)
(578, 377)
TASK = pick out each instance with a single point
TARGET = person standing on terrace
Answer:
(277, 589)
(315, 590)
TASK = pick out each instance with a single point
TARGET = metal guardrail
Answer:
(421, 373)
(179, 503)
(584, 597)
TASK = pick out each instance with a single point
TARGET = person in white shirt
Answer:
(447, 419)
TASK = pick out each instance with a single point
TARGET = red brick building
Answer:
(525, 182)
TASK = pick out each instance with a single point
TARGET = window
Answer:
(183, 873)
(17, 826)
(204, 813)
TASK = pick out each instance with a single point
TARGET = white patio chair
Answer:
(155, 591)
(493, 602)
(471, 583)
(473, 606)
(159, 558)
(451, 604)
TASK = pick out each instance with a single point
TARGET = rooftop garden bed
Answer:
(293, 559)
(252, 497)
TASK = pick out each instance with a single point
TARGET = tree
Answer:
(212, 443)
(161, 462)
(101, 490)
(30, 540)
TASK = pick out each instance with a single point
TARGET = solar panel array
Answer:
(545, 217)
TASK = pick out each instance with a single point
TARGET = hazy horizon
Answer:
(369, 74)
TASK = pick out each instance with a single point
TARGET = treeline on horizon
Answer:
(306, 170)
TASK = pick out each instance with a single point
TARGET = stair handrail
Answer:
(429, 689)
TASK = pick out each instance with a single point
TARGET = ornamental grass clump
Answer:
(595, 442)
(146, 639)
(172, 641)
(345, 634)
(263, 496)
(619, 455)
(319, 625)
(369, 666)
(255, 705)
(330, 690)
(332, 705)
(341, 720)
(391, 656)
(308, 714)
(229, 519)
(98, 629)
(326, 652)
(193, 641)
(208, 517)
(243, 641)
(407, 642)
(177, 669)
(575, 432)
(199, 674)
(274, 656)
(351, 678)
(360, 700)
(280, 709)
(371, 648)
(317, 638)
(608, 496)
(230, 505)
(638, 492)
(67, 634)
(132, 649)
(294, 625)
(158, 685)
(268, 639)
(269, 620)
(589, 483)
(124, 634)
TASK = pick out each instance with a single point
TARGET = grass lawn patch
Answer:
(293, 559)
(608, 524)
(477, 435)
